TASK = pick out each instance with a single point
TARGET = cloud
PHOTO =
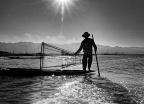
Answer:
(10, 38)
(29, 35)
(36, 38)
(62, 40)
(21, 38)
(33, 38)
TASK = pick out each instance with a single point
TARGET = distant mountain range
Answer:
(29, 47)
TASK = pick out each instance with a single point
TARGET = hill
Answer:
(29, 47)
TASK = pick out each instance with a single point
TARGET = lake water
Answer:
(121, 82)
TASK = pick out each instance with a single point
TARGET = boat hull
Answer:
(38, 72)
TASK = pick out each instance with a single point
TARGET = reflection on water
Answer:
(84, 89)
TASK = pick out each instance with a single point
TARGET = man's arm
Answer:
(80, 48)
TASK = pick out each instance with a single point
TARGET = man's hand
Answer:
(75, 53)
(95, 50)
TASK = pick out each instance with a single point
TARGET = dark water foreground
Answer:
(82, 89)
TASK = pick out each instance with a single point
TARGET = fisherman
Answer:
(86, 45)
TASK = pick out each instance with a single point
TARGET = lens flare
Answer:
(61, 6)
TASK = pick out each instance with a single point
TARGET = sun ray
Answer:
(62, 3)
(61, 6)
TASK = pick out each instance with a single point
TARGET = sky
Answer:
(112, 22)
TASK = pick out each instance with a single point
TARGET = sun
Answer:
(63, 1)
(61, 6)
(65, 4)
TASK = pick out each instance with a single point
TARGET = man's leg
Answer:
(89, 61)
(84, 62)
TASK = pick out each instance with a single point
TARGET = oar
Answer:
(96, 59)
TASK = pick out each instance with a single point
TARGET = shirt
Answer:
(86, 45)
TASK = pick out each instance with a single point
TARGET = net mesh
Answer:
(56, 58)
(45, 56)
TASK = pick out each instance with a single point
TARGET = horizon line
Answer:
(74, 43)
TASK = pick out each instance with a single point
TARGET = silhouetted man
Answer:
(86, 45)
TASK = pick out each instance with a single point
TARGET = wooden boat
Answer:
(38, 72)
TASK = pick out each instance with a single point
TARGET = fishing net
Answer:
(53, 57)
(46, 56)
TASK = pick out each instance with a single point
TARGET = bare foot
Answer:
(84, 70)
(90, 70)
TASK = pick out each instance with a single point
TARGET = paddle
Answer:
(96, 59)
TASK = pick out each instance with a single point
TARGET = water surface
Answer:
(121, 82)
